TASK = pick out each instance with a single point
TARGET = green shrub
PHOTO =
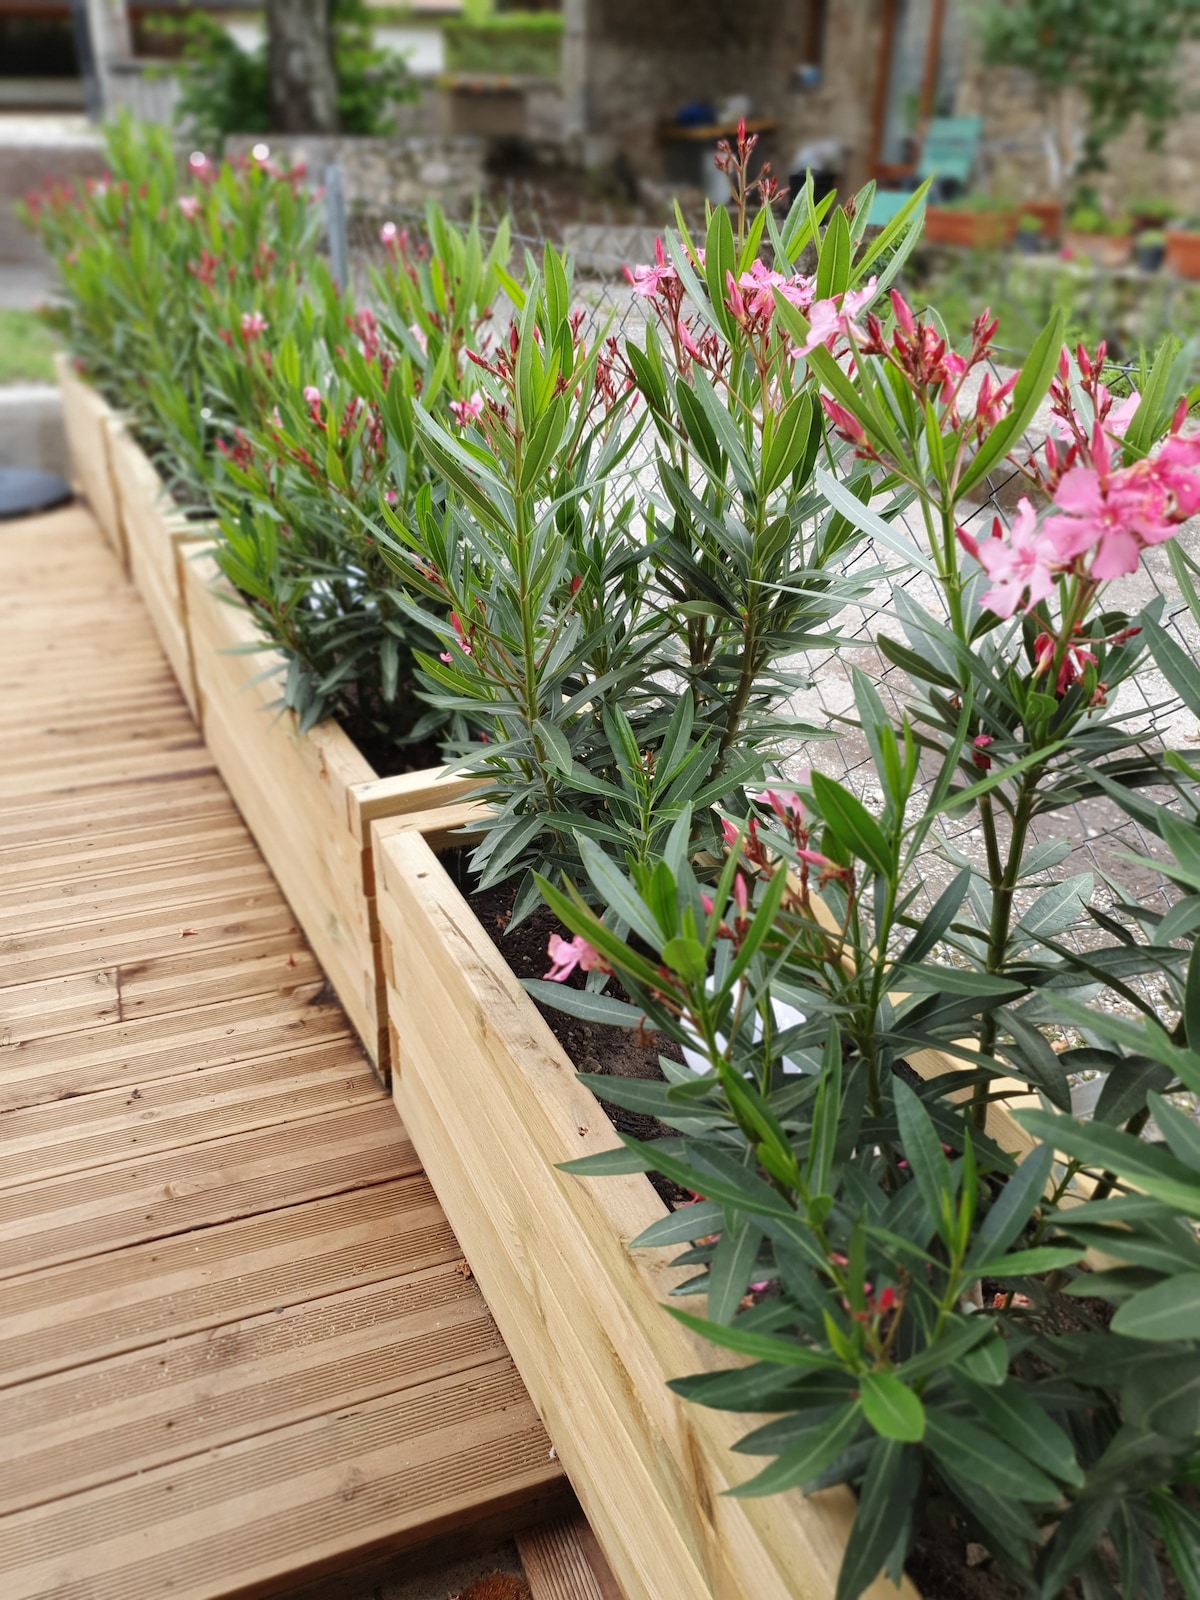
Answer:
(507, 44)
(225, 89)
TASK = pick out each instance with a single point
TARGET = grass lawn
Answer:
(27, 348)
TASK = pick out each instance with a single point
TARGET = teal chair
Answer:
(947, 156)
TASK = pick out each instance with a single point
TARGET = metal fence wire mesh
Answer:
(1101, 836)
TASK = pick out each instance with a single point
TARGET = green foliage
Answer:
(1129, 316)
(225, 89)
(318, 445)
(27, 346)
(434, 513)
(1125, 57)
(505, 43)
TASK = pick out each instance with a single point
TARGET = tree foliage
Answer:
(225, 89)
(1122, 56)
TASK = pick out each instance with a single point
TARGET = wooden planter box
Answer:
(86, 415)
(492, 1104)
(969, 230)
(158, 538)
(308, 799)
(1183, 253)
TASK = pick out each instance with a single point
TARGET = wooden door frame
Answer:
(894, 171)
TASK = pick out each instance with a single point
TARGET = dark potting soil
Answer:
(593, 1047)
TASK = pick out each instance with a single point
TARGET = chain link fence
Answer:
(1102, 838)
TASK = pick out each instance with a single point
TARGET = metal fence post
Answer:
(335, 225)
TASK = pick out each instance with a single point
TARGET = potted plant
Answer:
(1183, 250)
(1030, 235)
(973, 223)
(209, 367)
(1150, 249)
(1091, 233)
(1152, 211)
(766, 970)
(1049, 214)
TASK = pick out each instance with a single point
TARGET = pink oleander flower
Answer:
(709, 904)
(388, 234)
(992, 403)
(688, 343)
(760, 284)
(463, 642)
(814, 858)
(845, 422)
(729, 831)
(1021, 566)
(648, 281)
(980, 742)
(830, 320)
(1111, 517)
(784, 803)
(567, 954)
(1076, 659)
(254, 324)
(1176, 468)
(1122, 414)
(391, 496)
(826, 323)
(886, 1301)
(420, 336)
(465, 412)
(197, 161)
(189, 205)
(445, 656)
(312, 394)
(741, 894)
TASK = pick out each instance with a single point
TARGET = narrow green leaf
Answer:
(852, 824)
(883, 1518)
(1021, 1422)
(1171, 1310)
(1029, 1263)
(805, 1460)
(759, 1346)
(964, 1448)
(891, 1407)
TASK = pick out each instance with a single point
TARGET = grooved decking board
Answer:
(239, 1346)
(161, 1404)
(87, 1213)
(69, 1316)
(55, 1068)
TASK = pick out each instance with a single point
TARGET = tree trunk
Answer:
(300, 59)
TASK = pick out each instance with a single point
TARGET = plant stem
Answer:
(1003, 886)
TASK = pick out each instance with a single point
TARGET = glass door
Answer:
(918, 76)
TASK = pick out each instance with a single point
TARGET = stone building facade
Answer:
(862, 73)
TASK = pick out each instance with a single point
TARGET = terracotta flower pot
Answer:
(1183, 252)
(969, 230)
(1105, 249)
(1048, 212)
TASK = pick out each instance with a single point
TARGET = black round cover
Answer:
(24, 492)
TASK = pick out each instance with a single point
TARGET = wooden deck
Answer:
(239, 1346)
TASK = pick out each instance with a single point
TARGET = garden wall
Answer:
(379, 175)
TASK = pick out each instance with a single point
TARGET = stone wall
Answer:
(636, 63)
(629, 64)
(34, 151)
(382, 175)
(1015, 154)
